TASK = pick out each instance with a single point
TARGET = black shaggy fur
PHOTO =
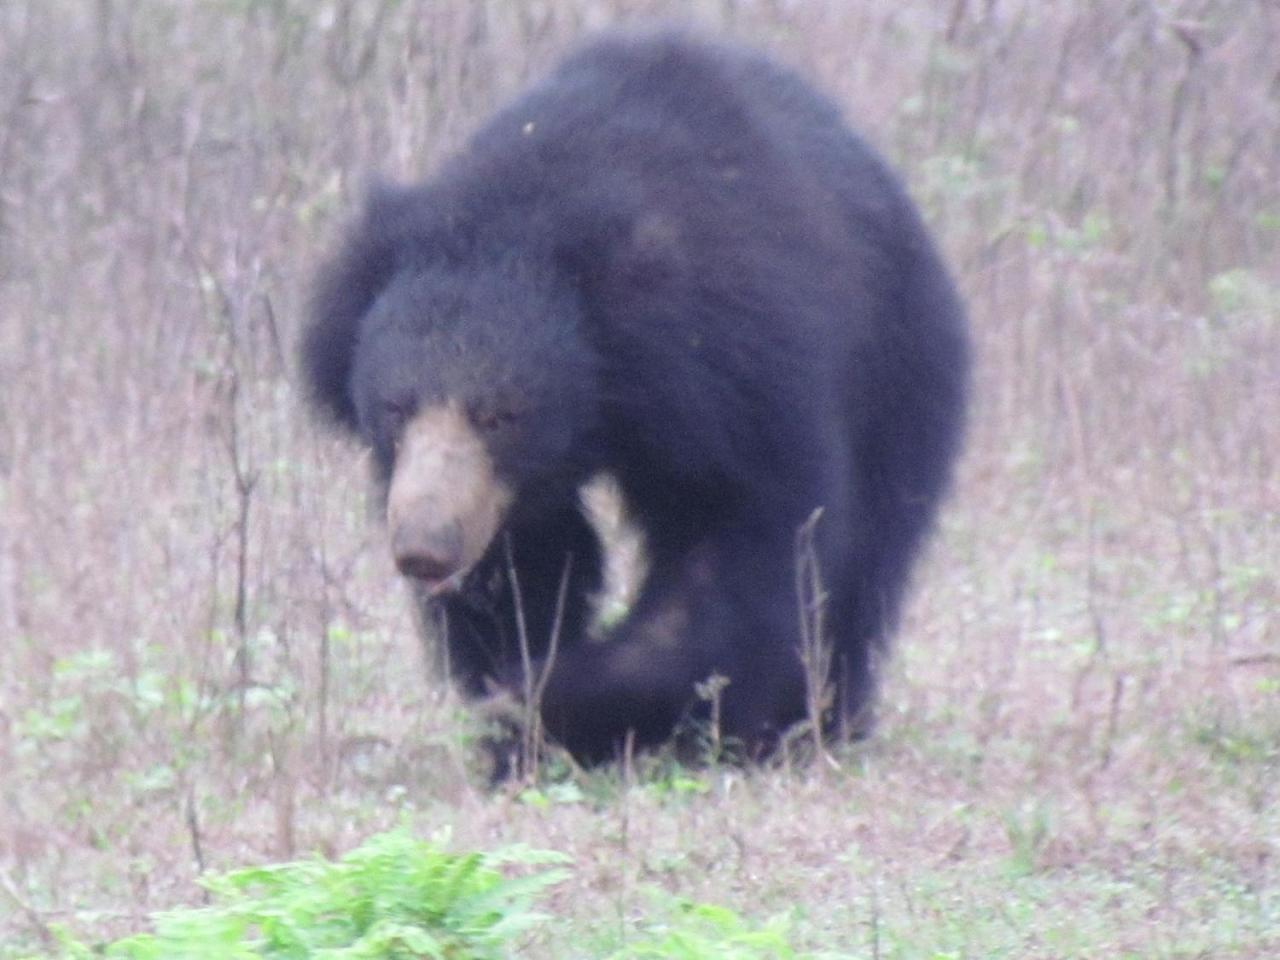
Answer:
(674, 262)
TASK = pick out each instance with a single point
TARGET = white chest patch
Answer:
(622, 543)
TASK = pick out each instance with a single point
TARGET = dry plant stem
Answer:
(245, 482)
(325, 656)
(553, 642)
(1113, 720)
(350, 58)
(624, 897)
(815, 648)
(530, 716)
(629, 759)
(711, 691)
(285, 795)
(716, 685)
(874, 922)
(245, 477)
(1181, 100)
(192, 817)
(330, 586)
(535, 685)
(9, 891)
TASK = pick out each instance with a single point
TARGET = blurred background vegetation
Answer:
(206, 658)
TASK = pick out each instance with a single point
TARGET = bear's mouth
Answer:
(443, 587)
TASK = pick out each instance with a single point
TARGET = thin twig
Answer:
(10, 891)
(815, 649)
(553, 646)
(535, 685)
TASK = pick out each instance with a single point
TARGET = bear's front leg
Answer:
(691, 625)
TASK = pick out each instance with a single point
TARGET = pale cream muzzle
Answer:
(445, 503)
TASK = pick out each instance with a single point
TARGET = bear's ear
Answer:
(345, 288)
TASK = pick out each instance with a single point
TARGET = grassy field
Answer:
(206, 659)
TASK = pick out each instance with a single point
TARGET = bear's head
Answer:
(465, 372)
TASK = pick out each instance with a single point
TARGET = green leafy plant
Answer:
(400, 898)
(395, 897)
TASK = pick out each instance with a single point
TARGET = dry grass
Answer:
(205, 658)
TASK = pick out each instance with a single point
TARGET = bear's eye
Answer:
(491, 418)
(395, 415)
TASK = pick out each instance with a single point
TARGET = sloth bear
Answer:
(673, 264)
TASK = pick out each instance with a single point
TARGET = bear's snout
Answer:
(445, 503)
(427, 552)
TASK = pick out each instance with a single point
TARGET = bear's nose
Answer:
(426, 552)
(419, 566)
